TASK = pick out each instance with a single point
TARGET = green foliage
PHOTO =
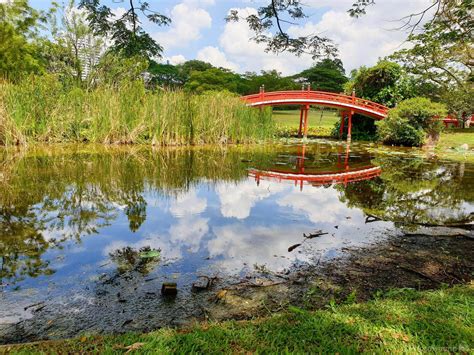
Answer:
(165, 75)
(363, 128)
(193, 65)
(440, 55)
(114, 69)
(398, 131)
(327, 75)
(19, 49)
(271, 79)
(410, 122)
(385, 83)
(214, 79)
(128, 36)
(75, 50)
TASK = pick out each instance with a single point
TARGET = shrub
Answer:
(411, 122)
(363, 128)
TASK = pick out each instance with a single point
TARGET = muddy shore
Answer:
(426, 259)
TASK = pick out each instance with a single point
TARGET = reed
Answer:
(41, 109)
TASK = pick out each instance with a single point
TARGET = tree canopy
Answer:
(20, 25)
(126, 33)
(385, 83)
(441, 55)
(326, 75)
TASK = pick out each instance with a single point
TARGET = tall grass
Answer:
(41, 109)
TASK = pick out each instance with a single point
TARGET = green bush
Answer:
(411, 122)
(363, 128)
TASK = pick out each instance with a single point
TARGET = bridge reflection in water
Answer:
(340, 173)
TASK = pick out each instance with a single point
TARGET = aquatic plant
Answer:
(42, 109)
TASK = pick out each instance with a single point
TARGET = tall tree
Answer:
(75, 50)
(20, 27)
(165, 75)
(126, 33)
(326, 75)
(214, 79)
(385, 83)
(272, 79)
(441, 53)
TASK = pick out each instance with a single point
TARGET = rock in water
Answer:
(201, 284)
(169, 289)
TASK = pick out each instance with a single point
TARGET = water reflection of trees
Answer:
(50, 196)
(414, 191)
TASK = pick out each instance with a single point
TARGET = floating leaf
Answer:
(293, 247)
(150, 254)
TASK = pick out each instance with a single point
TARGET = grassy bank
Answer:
(402, 321)
(41, 109)
(451, 144)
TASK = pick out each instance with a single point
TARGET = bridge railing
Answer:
(334, 98)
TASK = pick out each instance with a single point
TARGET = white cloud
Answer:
(188, 20)
(250, 56)
(175, 59)
(118, 12)
(216, 57)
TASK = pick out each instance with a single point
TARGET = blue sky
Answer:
(199, 31)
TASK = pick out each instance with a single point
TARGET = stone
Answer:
(201, 284)
(169, 289)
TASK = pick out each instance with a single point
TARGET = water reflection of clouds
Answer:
(320, 205)
(237, 244)
(189, 232)
(186, 227)
(187, 203)
(237, 200)
(250, 224)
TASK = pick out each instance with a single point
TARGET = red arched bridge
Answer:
(349, 105)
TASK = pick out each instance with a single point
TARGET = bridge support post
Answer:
(341, 127)
(300, 131)
(306, 110)
(349, 126)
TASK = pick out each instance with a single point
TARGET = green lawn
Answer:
(402, 321)
(319, 125)
(292, 118)
(450, 142)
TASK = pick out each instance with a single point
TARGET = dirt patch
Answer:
(417, 261)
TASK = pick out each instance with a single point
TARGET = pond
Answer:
(88, 235)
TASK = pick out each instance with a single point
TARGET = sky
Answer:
(199, 31)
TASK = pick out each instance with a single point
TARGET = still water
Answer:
(89, 234)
